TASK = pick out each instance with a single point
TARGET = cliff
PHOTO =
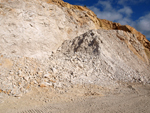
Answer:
(105, 24)
(50, 43)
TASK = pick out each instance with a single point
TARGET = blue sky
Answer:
(135, 13)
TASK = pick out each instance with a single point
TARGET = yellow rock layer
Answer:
(102, 23)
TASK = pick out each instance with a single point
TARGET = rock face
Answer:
(53, 44)
(105, 24)
(35, 29)
(92, 58)
(96, 50)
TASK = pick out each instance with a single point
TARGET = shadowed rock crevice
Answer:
(84, 44)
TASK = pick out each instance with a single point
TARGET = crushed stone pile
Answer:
(94, 57)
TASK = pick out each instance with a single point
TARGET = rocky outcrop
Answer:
(108, 25)
(93, 58)
(36, 29)
(52, 44)
(30, 23)
(105, 24)
(139, 36)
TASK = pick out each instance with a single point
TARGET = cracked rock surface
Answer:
(51, 51)
(92, 58)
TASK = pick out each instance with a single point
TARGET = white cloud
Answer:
(124, 2)
(109, 12)
(79, 0)
(105, 4)
(143, 25)
(112, 16)
(109, 15)
(126, 10)
(122, 14)
(125, 21)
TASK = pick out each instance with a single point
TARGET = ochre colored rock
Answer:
(7, 63)
(61, 46)
(1, 91)
(105, 24)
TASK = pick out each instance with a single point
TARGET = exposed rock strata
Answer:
(29, 23)
(35, 28)
(105, 24)
(92, 58)
(32, 53)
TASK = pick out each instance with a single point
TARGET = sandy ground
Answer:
(128, 98)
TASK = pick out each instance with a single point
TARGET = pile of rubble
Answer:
(92, 58)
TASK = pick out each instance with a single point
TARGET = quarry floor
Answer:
(128, 98)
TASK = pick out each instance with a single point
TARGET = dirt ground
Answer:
(128, 98)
